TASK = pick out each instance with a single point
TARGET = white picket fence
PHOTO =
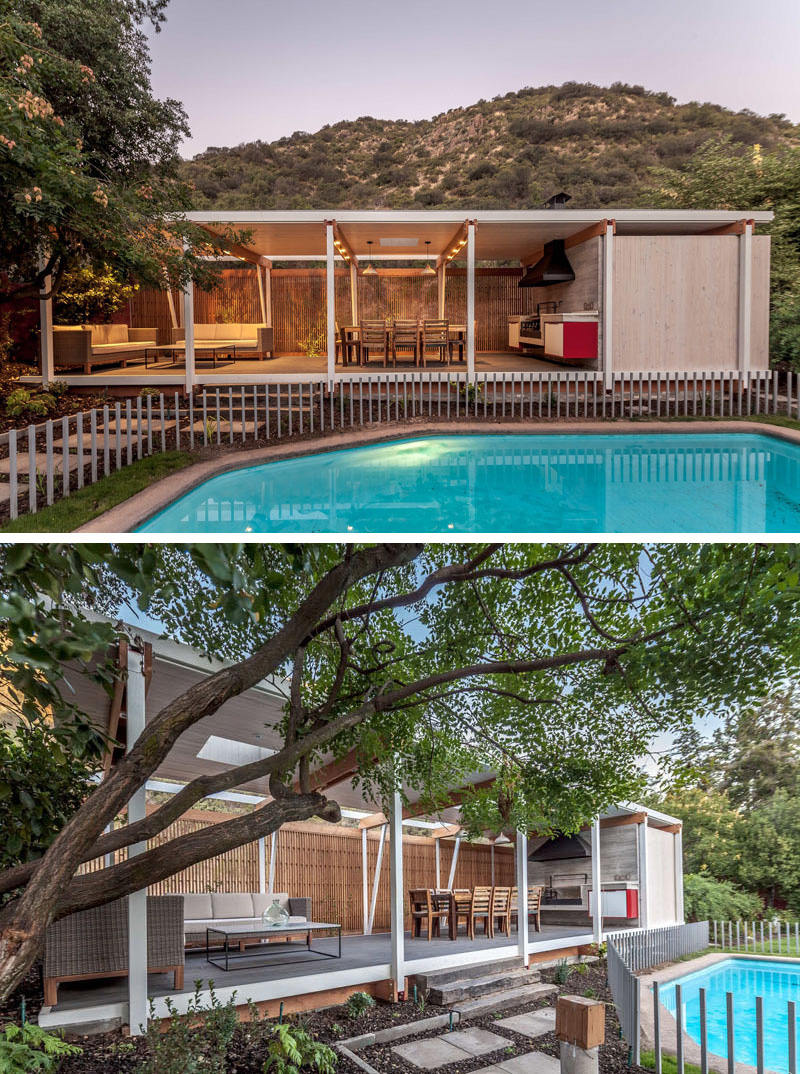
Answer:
(758, 937)
(46, 462)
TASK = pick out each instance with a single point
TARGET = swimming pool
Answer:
(669, 482)
(776, 982)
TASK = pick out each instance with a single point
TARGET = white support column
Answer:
(364, 881)
(607, 312)
(396, 877)
(471, 301)
(597, 894)
(173, 316)
(451, 878)
(745, 296)
(354, 292)
(679, 913)
(437, 847)
(137, 900)
(268, 296)
(521, 869)
(643, 909)
(376, 880)
(262, 865)
(273, 854)
(261, 300)
(330, 301)
(440, 290)
(188, 333)
(46, 334)
(491, 855)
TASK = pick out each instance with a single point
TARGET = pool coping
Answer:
(134, 512)
(671, 972)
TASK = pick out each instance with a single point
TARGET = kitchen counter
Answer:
(571, 336)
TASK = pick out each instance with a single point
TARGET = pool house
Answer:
(323, 295)
(361, 891)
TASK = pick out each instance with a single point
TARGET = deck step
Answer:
(447, 993)
(510, 997)
(462, 973)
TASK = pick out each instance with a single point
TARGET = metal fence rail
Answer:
(758, 937)
(47, 462)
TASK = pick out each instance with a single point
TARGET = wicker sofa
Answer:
(88, 345)
(220, 908)
(94, 943)
(244, 337)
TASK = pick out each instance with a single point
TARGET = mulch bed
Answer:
(66, 404)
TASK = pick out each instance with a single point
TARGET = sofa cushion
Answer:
(119, 348)
(261, 901)
(219, 922)
(109, 333)
(231, 904)
(197, 906)
(205, 331)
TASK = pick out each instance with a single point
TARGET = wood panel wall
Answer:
(299, 301)
(324, 862)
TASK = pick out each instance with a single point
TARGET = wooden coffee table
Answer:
(234, 938)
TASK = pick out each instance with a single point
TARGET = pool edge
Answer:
(139, 509)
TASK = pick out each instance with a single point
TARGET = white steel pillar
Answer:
(643, 885)
(745, 296)
(268, 296)
(376, 879)
(188, 333)
(440, 290)
(607, 312)
(330, 300)
(396, 878)
(137, 900)
(46, 333)
(679, 914)
(438, 850)
(452, 877)
(521, 855)
(491, 855)
(261, 299)
(262, 865)
(365, 881)
(471, 301)
(273, 854)
(354, 292)
(597, 893)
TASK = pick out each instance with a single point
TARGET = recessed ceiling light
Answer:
(399, 242)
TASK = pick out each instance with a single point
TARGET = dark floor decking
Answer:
(357, 952)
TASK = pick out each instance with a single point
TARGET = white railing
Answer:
(45, 462)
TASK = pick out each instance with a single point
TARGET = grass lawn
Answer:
(775, 419)
(669, 1064)
(89, 502)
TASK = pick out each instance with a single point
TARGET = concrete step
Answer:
(461, 973)
(510, 997)
(472, 987)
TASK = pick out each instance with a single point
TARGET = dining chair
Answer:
(534, 906)
(346, 346)
(460, 906)
(436, 337)
(373, 336)
(501, 910)
(481, 910)
(425, 907)
(405, 337)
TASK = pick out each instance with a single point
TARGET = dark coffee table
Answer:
(234, 937)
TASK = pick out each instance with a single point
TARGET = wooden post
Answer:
(396, 877)
(137, 900)
(745, 296)
(46, 334)
(597, 893)
(608, 304)
(331, 301)
(471, 301)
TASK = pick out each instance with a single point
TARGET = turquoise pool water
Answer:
(675, 483)
(776, 982)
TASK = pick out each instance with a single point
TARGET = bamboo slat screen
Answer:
(298, 303)
(323, 862)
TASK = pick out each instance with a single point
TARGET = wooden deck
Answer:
(366, 960)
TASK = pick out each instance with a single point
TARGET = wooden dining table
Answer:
(456, 332)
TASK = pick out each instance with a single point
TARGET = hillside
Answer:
(512, 152)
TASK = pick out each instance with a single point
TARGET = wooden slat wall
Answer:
(298, 302)
(323, 862)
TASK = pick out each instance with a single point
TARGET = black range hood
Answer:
(554, 267)
(561, 848)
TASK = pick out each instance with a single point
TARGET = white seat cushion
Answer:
(231, 904)
(197, 906)
(261, 901)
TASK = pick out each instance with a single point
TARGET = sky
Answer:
(257, 69)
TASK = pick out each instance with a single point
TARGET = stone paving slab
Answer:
(476, 1041)
(430, 1054)
(532, 1024)
(531, 1063)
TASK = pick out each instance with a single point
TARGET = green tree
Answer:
(771, 849)
(552, 665)
(87, 296)
(705, 898)
(88, 157)
(711, 831)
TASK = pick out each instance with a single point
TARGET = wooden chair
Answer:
(427, 908)
(481, 910)
(346, 346)
(436, 337)
(374, 336)
(460, 906)
(501, 910)
(405, 337)
(534, 907)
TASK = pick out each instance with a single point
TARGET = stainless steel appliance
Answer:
(531, 329)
